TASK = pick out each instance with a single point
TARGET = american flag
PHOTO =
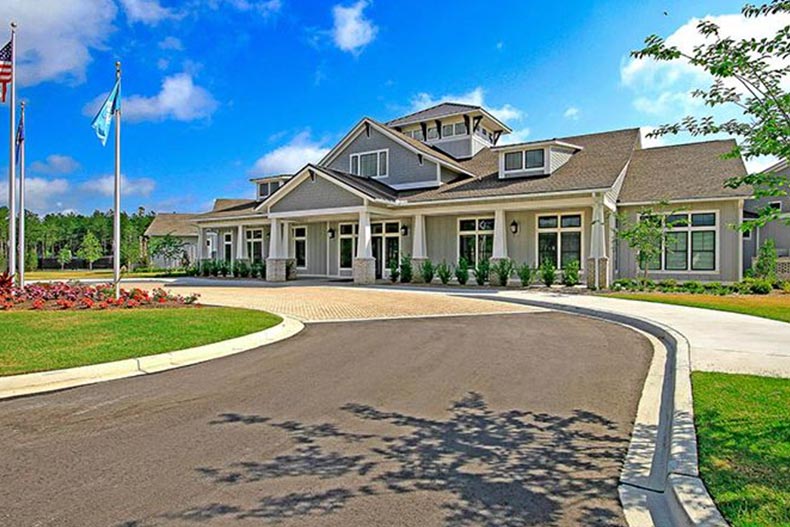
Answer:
(6, 69)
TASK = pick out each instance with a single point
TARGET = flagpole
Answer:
(116, 263)
(22, 197)
(12, 162)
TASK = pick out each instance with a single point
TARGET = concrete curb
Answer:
(659, 483)
(40, 382)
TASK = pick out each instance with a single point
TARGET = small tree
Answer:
(64, 257)
(167, 247)
(646, 235)
(765, 266)
(90, 250)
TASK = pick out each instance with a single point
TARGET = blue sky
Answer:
(218, 91)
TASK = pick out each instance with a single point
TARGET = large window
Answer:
(255, 245)
(348, 244)
(300, 246)
(560, 239)
(689, 243)
(370, 164)
(525, 160)
(475, 239)
(227, 249)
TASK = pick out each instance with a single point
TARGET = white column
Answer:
(598, 237)
(500, 235)
(240, 242)
(274, 239)
(201, 248)
(285, 234)
(365, 242)
(418, 250)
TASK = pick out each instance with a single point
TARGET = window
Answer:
(370, 164)
(460, 128)
(689, 243)
(227, 253)
(533, 158)
(255, 245)
(433, 133)
(300, 246)
(447, 130)
(475, 239)
(348, 244)
(524, 160)
(514, 161)
(777, 205)
(560, 239)
(266, 189)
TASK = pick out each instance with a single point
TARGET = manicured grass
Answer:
(776, 306)
(743, 426)
(84, 274)
(47, 340)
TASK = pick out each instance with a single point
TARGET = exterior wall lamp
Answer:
(404, 230)
(514, 227)
(331, 233)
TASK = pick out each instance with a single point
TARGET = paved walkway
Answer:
(720, 341)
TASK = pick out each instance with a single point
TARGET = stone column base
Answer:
(364, 270)
(603, 273)
(276, 269)
(416, 265)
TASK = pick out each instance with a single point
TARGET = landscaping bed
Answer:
(743, 429)
(54, 339)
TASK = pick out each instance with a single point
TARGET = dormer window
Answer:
(433, 133)
(370, 164)
(532, 160)
(266, 189)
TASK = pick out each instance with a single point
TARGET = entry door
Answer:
(377, 254)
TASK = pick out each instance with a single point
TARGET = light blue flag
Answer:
(101, 123)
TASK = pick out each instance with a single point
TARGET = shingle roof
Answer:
(173, 224)
(434, 112)
(690, 171)
(596, 167)
(228, 208)
(370, 187)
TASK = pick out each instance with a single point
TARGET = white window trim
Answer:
(385, 270)
(227, 241)
(359, 155)
(477, 232)
(688, 228)
(535, 170)
(249, 239)
(294, 238)
(559, 230)
(772, 203)
(354, 235)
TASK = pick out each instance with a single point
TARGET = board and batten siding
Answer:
(316, 194)
(728, 242)
(404, 166)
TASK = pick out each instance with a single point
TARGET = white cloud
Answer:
(105, 185)
(352, 31)
(55, 164)
(475, 97)
(148, 12)
(572, 113)
(41, 194)
(162, 64)
(289, 158)
(651, 142)
(55, 38)
(668, 104)
(171, 43)
(758, 164)
(265, 8)
(516, 136)
(179, 99)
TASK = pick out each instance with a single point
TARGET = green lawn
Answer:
(743, 426)
(84, 274)
(46, 340)
(776, 306)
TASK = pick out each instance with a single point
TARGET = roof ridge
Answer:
(695, 143)
(432, 107)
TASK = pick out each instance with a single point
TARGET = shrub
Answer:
(526, 274)
(241, 269)
(406, 269)
(785, 286)
(223, 268)
(482, 270)
(427, 270)
(192, 270)
(765, 266)
(444, 272)
(290, 270)
(394, 270)
(760, 286)
(462, 271)
(693, 287)
(667, 286)
(503, 269)
(548, 273)
(570, 273)
(257, 270)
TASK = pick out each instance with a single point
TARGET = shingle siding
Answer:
(318, 194)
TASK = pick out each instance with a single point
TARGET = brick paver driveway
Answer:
(495, 421)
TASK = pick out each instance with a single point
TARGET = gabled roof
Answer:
(683, 172)
(230, 208)
(272, 177)
(433, 154)
(173, 224)
(444, 109)
(602, 158)
(372, 188)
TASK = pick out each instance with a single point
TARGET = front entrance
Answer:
(386, 246)
(377, 254)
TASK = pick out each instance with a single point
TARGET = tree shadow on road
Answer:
(495, 469)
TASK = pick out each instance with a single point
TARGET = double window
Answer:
(689, 243)
(560, 239)
(450, 130)
(300, 246)
(525, 160)
(266, 189)
(255, 245)
(415, 134)
(370, 164)
(475, 239)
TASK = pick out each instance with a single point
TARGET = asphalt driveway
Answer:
(494, 420)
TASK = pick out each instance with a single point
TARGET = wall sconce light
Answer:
(404, 230)
(514, 227)
(331, 233)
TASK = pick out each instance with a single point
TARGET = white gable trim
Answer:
(302, 175)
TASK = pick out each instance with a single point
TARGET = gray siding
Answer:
(728, 242)
(777, 231)
(458, 148)
(441, 238)
(404, 166)
(448, 175)
(558, 157)
(318, 194)
(316, 249)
